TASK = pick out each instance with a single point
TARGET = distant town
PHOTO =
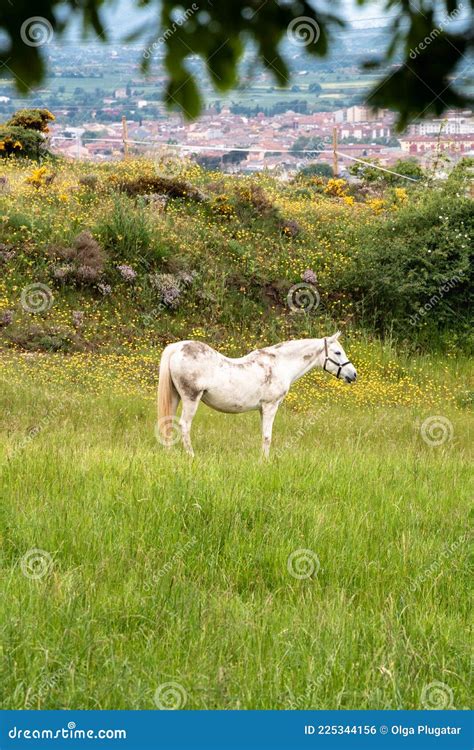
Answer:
(286, 141)
(106, 109)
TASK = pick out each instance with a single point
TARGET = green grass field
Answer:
(156, 569)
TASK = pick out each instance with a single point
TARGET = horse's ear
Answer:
(335, 336)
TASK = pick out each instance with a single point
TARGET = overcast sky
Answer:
(124, 16)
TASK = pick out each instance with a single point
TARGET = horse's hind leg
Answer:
(187, 414)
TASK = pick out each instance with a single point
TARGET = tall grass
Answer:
(170, 570)
(127, 232)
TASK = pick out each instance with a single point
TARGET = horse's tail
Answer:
(168, 398)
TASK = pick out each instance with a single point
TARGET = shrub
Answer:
(35, 338)
(170, 287)
(320, 169)
(128, 234)
(167, 288)
(32, 119)
(85, 261)
(89, 181)
(24, 134)
(170, 186)
(6, 318)
(32, 143)
(127, 273)
(10, 146)
(251, 202)
(252, 199)
(220, 206)
(6, 253)
(336, 187)
(368, 173)
(412, 271)
(40, 177)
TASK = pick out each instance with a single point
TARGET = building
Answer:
(359, 114)
(419, 145)
(461, 123)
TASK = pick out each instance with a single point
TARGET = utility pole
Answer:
(125, 137)
(335, 167)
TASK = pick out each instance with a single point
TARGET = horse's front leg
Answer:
(268, 412)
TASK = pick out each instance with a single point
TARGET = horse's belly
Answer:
(230, 402)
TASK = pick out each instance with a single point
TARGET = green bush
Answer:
(413, 271)
(33, 143)
(171, 186)
(407, 167)
(36, 338)
(128, 235)
(32, 119)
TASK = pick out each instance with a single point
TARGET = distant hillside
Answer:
(133, 254)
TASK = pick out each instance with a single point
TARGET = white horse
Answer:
(194, 372)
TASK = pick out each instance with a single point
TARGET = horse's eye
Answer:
(338, 353)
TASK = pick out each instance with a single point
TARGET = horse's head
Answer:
(336, 360)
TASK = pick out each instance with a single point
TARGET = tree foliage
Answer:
(32, 119)
(320, 169)
(25, 134)
(307, 146)
(218, 32)
(406, 167)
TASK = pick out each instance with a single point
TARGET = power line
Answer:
(377, 166)
(225, 149)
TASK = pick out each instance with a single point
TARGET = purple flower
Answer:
(167, 287)
(186, 278)
(77, 318)
(170, 296)
(127, 273)
(6, 254)
(104, 289)
(6, 318)
(62, 272)
(309, 276)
